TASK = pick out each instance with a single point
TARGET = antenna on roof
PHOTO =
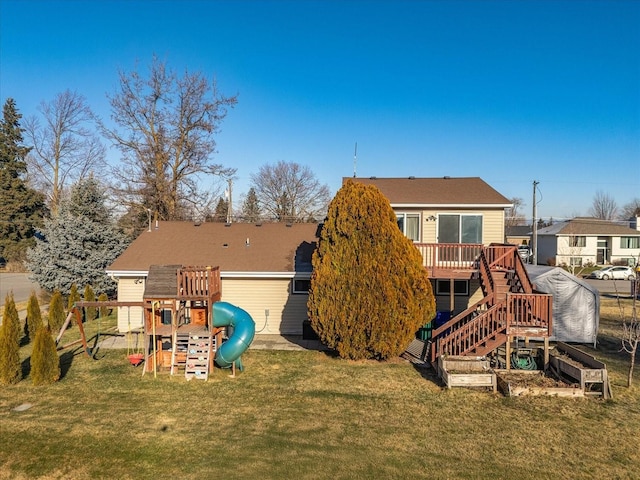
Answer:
(355, 159)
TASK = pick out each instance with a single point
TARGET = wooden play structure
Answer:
(179, 331)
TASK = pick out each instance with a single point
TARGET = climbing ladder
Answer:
(179, 352)
(199, 350)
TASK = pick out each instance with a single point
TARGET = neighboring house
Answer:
(518, 235)
(264, 268)
(446, 211)
(584, 240)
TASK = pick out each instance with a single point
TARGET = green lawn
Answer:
(308, 415)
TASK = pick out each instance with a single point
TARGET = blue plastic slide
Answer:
(244, 329)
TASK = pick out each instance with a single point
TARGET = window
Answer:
(409, 224)
(301, 285)
(460, 229)
(629, 242)
(578, 241)
(575, 261)
(460, 287)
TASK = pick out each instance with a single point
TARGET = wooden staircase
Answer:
(509, 307)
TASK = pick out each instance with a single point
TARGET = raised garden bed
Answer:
(458, 371)
(567, 362)
(517, 383)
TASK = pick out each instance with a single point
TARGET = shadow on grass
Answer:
(66, 359)
(26, 367)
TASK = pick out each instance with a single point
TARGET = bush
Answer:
(369, 291)
(90, 313)
(56, 311)
(10, 335)
(34, 316)
(45, 364)
(104, 311)
(74, 296)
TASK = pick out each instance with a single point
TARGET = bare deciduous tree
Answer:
(165, 127)
(631, 209)
(290, 192)
(604, 206)
(513, 216)
(630, 333)
(65, 147)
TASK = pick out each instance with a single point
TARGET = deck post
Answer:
(546, 353)
(508, 353)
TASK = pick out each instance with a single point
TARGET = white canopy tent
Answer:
(576, 304)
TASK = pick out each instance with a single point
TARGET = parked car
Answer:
(525, 253)
(614, 273)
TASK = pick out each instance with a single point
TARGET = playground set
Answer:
(186, 328)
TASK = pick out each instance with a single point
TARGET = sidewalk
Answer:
(260, 342)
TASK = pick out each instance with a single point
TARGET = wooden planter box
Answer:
(531, 387)
(581, 368)
(458, 371)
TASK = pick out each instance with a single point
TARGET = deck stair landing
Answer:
(199, 350)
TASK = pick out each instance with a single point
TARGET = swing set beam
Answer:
(76, 311)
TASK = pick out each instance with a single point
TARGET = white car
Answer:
(614, 273)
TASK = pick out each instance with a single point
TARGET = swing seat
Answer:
(135, 358)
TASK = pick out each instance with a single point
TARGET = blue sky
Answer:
(511, 91)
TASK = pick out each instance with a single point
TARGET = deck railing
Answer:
(198, 282)
(530, 312)
(449, 256)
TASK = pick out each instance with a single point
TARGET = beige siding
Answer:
(286, 312)
(130, 290)
(492, 223)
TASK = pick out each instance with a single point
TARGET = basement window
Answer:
(300, 286)
(460, 287)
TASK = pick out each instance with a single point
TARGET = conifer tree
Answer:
(90, 313)
(251, 207)
(74, 296)
(21, 208)
(34, 316)
(56, 311)
(369, 291)
(10, 334)
(104, 311)
(79, 243)
(45, 363)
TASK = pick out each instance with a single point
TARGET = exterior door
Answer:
(456, 229)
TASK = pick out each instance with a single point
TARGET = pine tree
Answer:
(369, 291)
(104, 311)
(21, 208)
(56, 311)
(251, 207)
(90, 313)
(45, 363)
(79, 243)
(34, 316)
(222, 209)
(10, 335)
(74, 296)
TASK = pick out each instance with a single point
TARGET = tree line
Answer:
(164, 126)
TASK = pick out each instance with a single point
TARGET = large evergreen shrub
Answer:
(104, 311)
(56, 311)
(10, 335)
(369, 291)
(34, 316)
(45, 363)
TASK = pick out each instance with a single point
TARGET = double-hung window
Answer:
(629, 242)
(409, 224)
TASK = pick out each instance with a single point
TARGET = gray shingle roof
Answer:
(588, 226)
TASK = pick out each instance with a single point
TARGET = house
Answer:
(479, 281)
(265, 269)
(518, 234)
(585, 240)
(447, 211)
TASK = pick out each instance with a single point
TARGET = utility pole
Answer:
(534, 238)
(229, 205)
